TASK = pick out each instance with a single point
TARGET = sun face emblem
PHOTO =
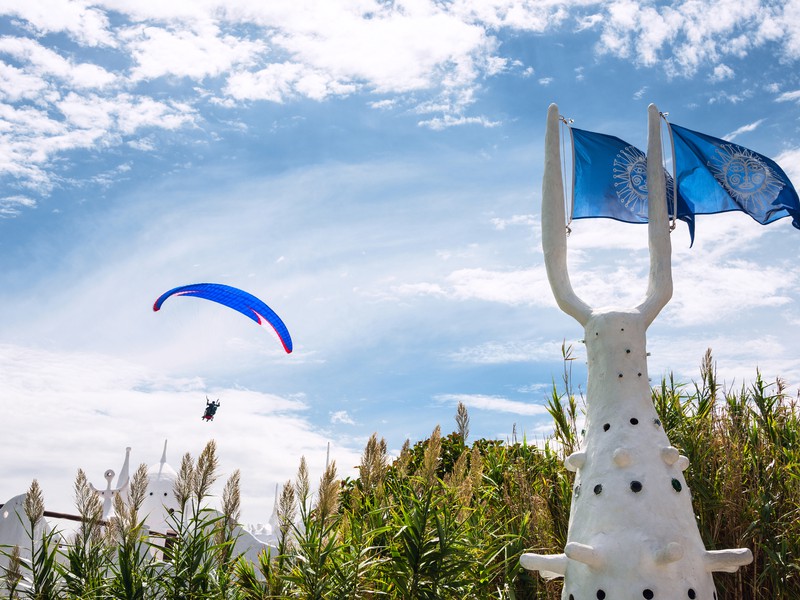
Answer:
(745, 177)
(630, 182)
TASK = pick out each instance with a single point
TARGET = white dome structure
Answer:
(14, 529)
(159, 502)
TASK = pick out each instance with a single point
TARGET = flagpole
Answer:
(571, 208)
(674, 173)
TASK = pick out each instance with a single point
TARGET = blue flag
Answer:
(610, 180)
(716, 176)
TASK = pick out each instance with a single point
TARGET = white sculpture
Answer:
(107, 495)
(632, 532)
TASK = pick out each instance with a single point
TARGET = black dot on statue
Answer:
(600, 594)
(692, 595)
(656, 422)
(676, 485)
(577, 490)
(623, 329)
(628, 351)
(636, 487)
(607, 426)
(634, 421)
(598, 488)
(648, 594)
(639, 374)
(571, 597)
(620, 374)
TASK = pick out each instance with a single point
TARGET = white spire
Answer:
(123, 474)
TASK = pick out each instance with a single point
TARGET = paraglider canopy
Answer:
(234, 298)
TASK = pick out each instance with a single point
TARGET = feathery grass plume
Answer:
(475, 468)
(125, 523)
(231, 497)
(232, 500)
(302, 486)
(462, 422)
(404, 460)
(287, 509)
(456, 477)
(328, 500)
(89, 508)
(205, 471)
(137, 490)
(431, 457)
(34, 503)
(372, 469)
(87, 557)
(184, 483)
(13, 572)
(42, 571)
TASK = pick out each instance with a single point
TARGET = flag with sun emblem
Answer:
(610, 180)
(716, 176)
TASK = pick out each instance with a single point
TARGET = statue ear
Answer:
(554, 233)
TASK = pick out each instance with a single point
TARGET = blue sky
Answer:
(372, 170)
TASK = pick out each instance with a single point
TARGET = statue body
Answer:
(632, 531)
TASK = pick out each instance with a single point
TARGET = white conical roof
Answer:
(161, 469)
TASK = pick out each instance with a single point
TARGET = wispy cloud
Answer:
(792, 96)
(493, 403)
(508, 352)
(11, 206)
(524, 220)
(743, 129)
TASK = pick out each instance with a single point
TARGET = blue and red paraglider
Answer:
(234, 298)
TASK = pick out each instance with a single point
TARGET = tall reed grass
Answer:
(446, 519)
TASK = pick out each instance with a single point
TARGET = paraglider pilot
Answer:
(211, 409)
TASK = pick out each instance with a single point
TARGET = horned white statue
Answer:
(632, 532)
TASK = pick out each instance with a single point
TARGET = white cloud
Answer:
(789, 96)
(88, 25)
(383, 104)
(46, 62)
(743, 129)
(440, 123)
(16, 84)
(721, 72)
(508, 352)
(341, 416)
(789, 161)
(56, 395)
(434, 55)
(523, 220)
(681, 37)
(493, 404)
(507, 287)
(11, 206)
(160, 52)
